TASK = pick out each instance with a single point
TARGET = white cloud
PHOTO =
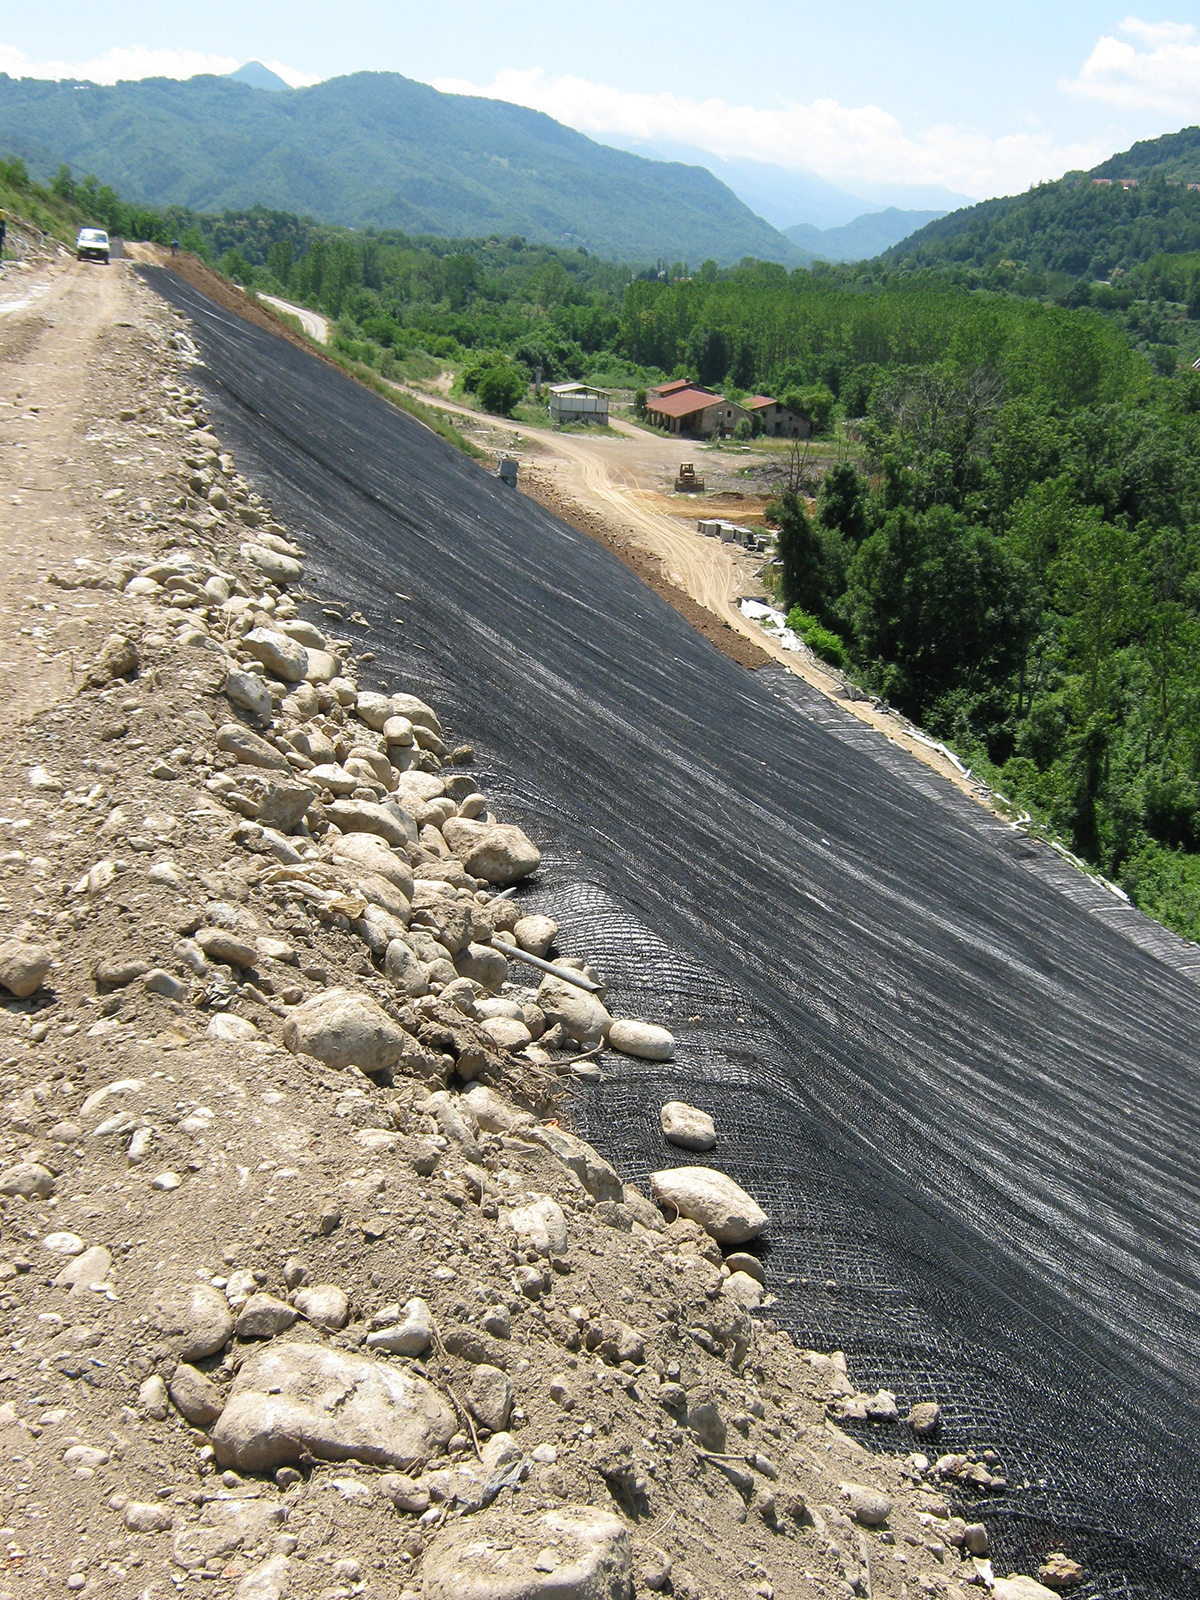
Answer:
(138, 61)
(1163, 75)
(845, 144)
(135, 62)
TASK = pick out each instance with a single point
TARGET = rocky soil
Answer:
(306, 1287)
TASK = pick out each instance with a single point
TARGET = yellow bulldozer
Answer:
(687, 482)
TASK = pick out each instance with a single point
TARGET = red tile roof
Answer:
(756, 402)
(676, 385)
(684, 402)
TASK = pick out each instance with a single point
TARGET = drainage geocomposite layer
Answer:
(962, 1081)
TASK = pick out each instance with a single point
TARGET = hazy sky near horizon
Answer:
(982, 99)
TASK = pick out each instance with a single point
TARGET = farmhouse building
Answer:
(777, 420)
(692, 411)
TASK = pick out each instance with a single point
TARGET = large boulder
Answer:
(1015, 1587)
(417, 712)
(282, 657)
(343, 1029)
(540, 1223)
(249, 748)
(368, 853)
(247, 690)
(23, 966)
(569, 1553)
(497, 852)
(643, 1039)
(194, 1319)
(584, 1018)
(597, 1176)
(273, 564)
(721, 1207)
(364, 816)
(293, 1400)
(687, 1126)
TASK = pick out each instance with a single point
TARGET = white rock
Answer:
(743, 1290)
(583, 1016)
(492, 1112)
(267, 1581)
(342, 1029)
(28, 1179)
(597, 1175)
(506, 1033)
(323, 1304)
(228, 1027)
(364, 816)
(570, 1553)
(368, 853)
(283, 657)
(152, 1397)
(712, 1199)
(1017, 1588)
(63, 1244)
(23, 967)
(490, 1396)
(247, 689)
(86, 1270)
(643, 1039)
(263, 1316)
(687, 1126)
(541, 1224)
(195, 1320)
(536, 934)
(329, 775)
(410, 1335)
(194, 1396)
(497, 852)
(273, 564)
(248, 748)
(290, 1399)
(868, 1506)
(323, 666)
(148, 1516)
(166, 1182)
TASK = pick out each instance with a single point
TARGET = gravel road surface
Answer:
(967, 1095)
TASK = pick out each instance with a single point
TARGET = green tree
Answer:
(500, 387)
(801, 555)
(1098, 590)
(279, 260)
(64, 184)
(842, 503)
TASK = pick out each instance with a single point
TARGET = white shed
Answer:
(577, 402)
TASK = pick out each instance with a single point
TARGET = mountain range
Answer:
(1084, 225)
(863, 238)
(377, 149)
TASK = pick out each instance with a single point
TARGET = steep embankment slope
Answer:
(950, 1081)
(376, 149)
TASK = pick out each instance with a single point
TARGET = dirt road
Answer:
(314, 325)
(69, 465)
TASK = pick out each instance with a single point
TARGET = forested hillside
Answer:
(376, 149)
(1009, 547)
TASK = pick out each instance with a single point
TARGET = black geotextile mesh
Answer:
(965, 1093)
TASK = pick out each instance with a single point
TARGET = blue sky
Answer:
(980, 99)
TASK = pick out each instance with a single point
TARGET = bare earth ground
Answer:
(159, 1137)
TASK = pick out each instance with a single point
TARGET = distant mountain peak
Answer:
(259, 77)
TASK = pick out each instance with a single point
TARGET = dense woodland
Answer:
(1008, 548)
